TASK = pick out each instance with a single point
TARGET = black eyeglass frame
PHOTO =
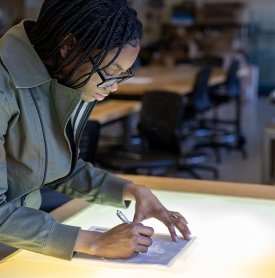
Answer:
(106, 82)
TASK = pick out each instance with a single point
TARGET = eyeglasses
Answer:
(106, 80)
(109, 81)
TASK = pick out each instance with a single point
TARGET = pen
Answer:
(122, 217)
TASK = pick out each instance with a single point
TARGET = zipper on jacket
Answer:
(23, 200)
(82, 124)
(84, 119)
(63, 179)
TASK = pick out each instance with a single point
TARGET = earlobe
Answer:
(67, 45)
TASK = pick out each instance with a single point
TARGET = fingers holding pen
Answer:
(143, 234)
(140, 238)
(143, 243)
(125, 240)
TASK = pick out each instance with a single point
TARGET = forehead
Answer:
(126, 57)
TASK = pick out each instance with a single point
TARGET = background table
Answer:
(178, 79)
(110, 111)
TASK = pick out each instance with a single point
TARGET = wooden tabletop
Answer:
(111, 110)
(205, 186)
(178, 79)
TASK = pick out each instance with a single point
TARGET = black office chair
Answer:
(209, 133)
(223, 94)
(228, 91)
(52, 199)
(198, 102)
(195, 123)
(162, 148)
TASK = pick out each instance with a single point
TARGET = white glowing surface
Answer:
(235, 238)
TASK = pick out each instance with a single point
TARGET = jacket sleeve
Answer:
(23, 227)
(95, 185)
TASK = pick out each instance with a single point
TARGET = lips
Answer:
(100, 96)
(103, 95)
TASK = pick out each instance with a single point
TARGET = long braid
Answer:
(98, 25)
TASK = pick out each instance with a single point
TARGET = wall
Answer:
(32, 8)
(10, 12)
(261, 12)
(261, 16)
(13, 11)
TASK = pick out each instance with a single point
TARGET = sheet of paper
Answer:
(163, 251)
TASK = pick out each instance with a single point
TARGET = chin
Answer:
(88, 99)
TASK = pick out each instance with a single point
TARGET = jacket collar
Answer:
(21, 60)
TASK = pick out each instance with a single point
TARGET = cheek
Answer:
(91, 87)
(81, 74)
(92, 84)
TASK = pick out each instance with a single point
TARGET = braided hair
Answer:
(97, 25)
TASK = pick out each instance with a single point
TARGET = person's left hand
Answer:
(148, 206)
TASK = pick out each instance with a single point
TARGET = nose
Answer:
(113, 87)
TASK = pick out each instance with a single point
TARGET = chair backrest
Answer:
(160, 120)
(232, 81)
(89, 141)
(200, 94)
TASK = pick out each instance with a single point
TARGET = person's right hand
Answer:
(123, 241)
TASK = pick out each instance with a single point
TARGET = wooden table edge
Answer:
(181, 185)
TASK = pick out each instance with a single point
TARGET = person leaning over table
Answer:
(52, 73)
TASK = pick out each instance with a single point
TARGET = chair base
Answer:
(229, 142)
(190, 162)
(192, 170)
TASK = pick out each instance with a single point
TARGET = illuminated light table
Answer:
(234, 226)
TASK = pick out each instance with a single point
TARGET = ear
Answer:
(67, 45)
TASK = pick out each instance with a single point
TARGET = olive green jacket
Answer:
(35, 152)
